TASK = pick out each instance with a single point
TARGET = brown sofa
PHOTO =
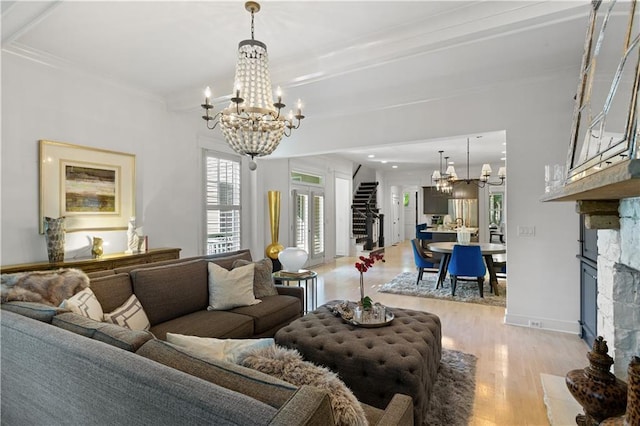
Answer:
(174, 295)
(79, 371)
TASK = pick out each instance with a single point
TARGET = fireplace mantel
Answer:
(598, 194)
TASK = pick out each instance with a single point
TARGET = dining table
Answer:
(487, 249)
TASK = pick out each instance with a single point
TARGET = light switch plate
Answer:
(526, 231)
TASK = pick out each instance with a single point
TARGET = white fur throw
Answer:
(288, 365)
(48, 287)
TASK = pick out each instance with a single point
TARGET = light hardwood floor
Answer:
(510, 358)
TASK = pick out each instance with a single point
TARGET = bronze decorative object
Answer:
(598, 391)
(632, 416)
(96, 248)
(275, 247)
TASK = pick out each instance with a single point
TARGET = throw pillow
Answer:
(84, 303)
(263, 284)
(209, 348)
(130, 314)
(230, 289)
(288, 365)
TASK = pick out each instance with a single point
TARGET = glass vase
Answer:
(54, 235)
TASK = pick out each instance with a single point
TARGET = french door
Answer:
(308, 224)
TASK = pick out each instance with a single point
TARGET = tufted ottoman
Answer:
(375, 363)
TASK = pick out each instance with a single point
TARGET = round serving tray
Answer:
(372, 324)
(345, 310)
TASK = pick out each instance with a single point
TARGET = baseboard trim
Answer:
(571, 327)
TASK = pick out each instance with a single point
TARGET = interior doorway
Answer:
(396, 224)
(308, 227)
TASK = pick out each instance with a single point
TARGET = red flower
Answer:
(367, 262)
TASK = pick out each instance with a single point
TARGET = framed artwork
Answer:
(92, 188)
(604, 130)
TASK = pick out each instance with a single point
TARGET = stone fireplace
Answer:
(619, 286)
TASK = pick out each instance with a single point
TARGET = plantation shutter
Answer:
(223, 211)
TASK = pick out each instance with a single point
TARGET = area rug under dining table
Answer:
(405, 283)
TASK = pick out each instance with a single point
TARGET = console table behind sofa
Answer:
(108, 261)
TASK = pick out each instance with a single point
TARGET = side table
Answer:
(303, 276)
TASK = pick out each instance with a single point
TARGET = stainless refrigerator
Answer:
(467, 209)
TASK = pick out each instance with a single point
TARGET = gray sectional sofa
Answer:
(174, 295)
(62, 368)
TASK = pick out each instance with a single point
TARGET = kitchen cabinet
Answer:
(588, 258)
(434, 201)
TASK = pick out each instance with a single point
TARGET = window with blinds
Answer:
(318, 224)
(308, 229)
(223, 211)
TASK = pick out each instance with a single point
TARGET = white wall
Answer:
(40, 102)
(343, 199)
(536, 115)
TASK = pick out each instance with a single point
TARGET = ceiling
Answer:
(344, 59)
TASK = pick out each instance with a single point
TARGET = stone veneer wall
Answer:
(619, 286)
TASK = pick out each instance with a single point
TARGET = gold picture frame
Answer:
(604, 130)
(92, 188)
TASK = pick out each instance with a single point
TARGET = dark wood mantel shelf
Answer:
(598, 195)
(616, 182)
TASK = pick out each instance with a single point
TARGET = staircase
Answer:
(364, 197)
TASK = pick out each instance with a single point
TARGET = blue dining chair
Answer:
(421, 235)
(467, 262)
(421, 258)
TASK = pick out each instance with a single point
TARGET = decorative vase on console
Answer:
(600, 393)
(632, 416)
(273, 250)
(293, 259)
(54, 235)
(132, 237)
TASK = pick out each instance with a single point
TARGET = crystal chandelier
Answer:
(485, 173)
(252, 124)
(444, 179)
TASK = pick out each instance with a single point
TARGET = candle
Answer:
(279, 94)
(207, 95)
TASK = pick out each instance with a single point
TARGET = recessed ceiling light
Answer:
(503, 152)
(504, 143)
(451, 162)
(371, 156)
(394, 167)
(504, 159)
(384, 161)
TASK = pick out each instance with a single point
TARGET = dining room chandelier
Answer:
(485, 173)
(443, 180)
(253, 124)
